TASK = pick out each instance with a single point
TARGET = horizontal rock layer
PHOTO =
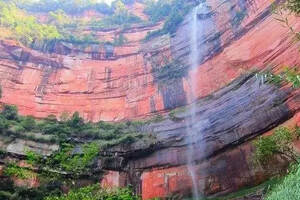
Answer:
(116, 83)
(128, 82)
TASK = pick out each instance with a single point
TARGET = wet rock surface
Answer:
(227, 121)
(233, 115)
(120, 83)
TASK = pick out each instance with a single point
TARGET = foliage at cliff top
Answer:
(70, 6)
(94, 192)
(19, 17)
(172, 11)
(25, 28)
(64, 18)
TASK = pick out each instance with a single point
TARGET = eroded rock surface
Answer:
(109, 83)
(226, 121)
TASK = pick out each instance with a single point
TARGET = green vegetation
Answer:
(16, 171)
(73, 159)
(69, 6)
(25, 28)
(120, 18)
(291, 5)
(169, 70)
(10, 112)
(279, 143)
(157, 11)
(62, 20)
(119, 40)
(291, 76)
(173, 11)
(80, 142)
(67, 159)
(61, 26)
(8, 191)
(94, 192)
(50, 130)
(288, 188)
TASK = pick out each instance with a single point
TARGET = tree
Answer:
(59, 18)
(10, 112)
(76, 121)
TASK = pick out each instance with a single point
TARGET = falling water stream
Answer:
(191, 121)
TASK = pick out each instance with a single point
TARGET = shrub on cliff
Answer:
(8, 191)
(94, 192)
(157, 10)
(28, 123)
(121, 18)
(76, 122)
(3, 124)
(279, 143)
(10, 112)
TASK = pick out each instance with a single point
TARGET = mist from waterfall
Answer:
(191, 120)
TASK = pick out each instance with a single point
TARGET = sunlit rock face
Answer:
(109, 83)
(103, 82)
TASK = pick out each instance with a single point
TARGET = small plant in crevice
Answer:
(291, 76)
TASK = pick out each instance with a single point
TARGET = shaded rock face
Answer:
(109, 83)
(226, 122)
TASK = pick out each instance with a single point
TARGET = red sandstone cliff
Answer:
(121, 86)
(101, 84)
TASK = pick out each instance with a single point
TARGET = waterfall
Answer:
(192, 131)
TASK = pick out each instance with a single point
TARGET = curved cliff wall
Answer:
(116, 83)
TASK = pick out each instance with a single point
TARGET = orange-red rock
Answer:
(123, 85)
(113, 179)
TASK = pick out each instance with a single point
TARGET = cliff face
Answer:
(109, 83)
(103, 82)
